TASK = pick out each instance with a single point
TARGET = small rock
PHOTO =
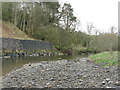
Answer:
(117, 83)
(51, 79)
(107, 79)
(33, 84)
(29, 65)
(47, 84)
(95, 66)
(108, 87)
(103, 83)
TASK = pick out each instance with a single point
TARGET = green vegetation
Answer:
(50, 21)
(106, 58)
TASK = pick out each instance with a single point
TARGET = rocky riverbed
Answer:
(80, 73)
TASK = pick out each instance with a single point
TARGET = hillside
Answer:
(8, 30)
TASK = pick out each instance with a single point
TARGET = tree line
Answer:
(49, 21)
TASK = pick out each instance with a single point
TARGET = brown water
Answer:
(10, 64)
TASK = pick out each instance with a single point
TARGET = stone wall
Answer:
(35, 45)
(27, 45)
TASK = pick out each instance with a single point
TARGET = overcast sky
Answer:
(102, 13)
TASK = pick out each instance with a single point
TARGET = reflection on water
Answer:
(9, 64)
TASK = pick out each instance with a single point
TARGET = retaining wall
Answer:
(27, 45)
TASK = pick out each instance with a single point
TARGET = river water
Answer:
(10, 64)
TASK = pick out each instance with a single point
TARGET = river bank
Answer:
(80, 73)
(11, 48)
(106, 58)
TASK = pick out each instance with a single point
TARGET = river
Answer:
(10, 64)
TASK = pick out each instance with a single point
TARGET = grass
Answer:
(9, 30)
(106, 58)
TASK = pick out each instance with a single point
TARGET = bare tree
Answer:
(90, 26)
(112, 29)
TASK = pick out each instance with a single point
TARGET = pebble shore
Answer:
(80, 73)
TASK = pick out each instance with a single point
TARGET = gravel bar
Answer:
(80, 73)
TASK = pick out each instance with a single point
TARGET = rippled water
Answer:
(10, 64)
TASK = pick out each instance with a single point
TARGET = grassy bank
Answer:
(106, 58)
(9, 30)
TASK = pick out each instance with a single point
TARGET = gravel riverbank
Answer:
(80, 73)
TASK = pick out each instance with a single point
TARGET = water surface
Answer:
(10, 64)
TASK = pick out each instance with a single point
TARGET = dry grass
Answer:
(8, 30)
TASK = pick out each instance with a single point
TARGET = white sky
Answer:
(102, 13)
